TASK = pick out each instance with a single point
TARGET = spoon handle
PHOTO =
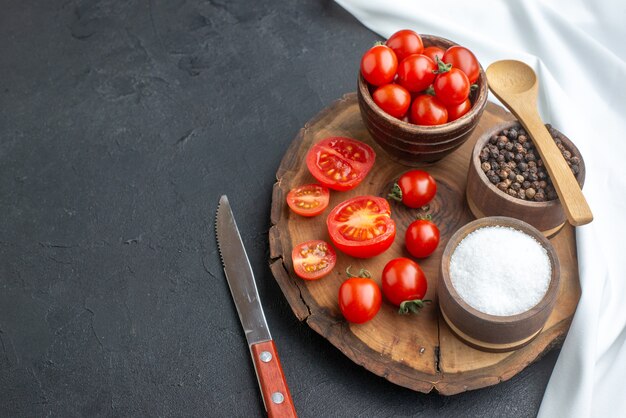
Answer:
(574, 203)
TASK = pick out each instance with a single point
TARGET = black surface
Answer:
(121, 124)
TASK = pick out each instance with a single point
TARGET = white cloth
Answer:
(578, 49)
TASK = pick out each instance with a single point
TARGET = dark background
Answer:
(121, 124)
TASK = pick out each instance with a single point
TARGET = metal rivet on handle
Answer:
(265, 356)
(277, 397)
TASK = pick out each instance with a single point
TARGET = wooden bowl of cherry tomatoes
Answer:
(420, 96)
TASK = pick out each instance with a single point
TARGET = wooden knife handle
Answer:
(276, 396)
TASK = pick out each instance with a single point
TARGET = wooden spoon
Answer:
(515, 84)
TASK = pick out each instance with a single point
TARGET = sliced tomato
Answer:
(308, 200)
(362, 226)
(313, 260)
(340, 163)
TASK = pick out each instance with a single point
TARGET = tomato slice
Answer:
(313, 260)
(362, 226)
(308, 200)
(340, 163)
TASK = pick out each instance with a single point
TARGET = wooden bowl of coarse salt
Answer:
(499, 283)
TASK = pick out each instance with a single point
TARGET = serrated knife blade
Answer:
(240, 278)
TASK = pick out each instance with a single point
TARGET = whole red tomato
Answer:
(463, 59)
(455, 112)
(414, 189)
(362, 226)
(415, 72)
(359, 298)
(404, 285)
(313, 260)
(421, 238)
(393, 99)
(379, 65)
(340, 163)
(427, 110)
(433, 53)
(404, 43)
(452, 87)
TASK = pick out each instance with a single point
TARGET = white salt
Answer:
(500, 270)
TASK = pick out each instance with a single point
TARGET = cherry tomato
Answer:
(340, 163)
(362, 226)
(427, 110)
(415, 73)
(308, 200)
(379, 65)
(313, 259)
(393, 99)
(463, 59)
(404, 43)
(359, 298)
(452, 87)
(414, 189)
(421, 238)
(455, 112)
(432, 52)
(404, 284)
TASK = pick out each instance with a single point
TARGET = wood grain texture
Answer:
(276, 394)
(485, 199)
(418, 352)
(515, 84)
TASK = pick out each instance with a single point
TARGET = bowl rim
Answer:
(479, 103)
(548, 299)
(484, 138)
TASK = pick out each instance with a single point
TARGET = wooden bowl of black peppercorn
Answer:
(507, 177)
(414, 145)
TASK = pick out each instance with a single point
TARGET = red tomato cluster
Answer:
(429, 85)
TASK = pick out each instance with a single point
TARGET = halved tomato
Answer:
(308, 200)
(313, 259)
(362, 226)
(340, 163)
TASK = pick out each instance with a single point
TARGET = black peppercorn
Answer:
(512, 134)
(494, 179)
(540, 196)
(526, 184)
(533, 177)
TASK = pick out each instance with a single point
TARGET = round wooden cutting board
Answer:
(416, 351)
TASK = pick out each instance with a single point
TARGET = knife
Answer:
(269, 372)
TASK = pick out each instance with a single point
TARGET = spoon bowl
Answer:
(510, 76)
